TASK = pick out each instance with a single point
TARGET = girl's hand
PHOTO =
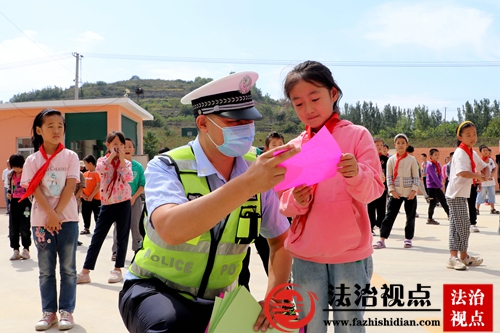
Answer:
(412, 195)
(121, 156)
(395, 195)
(121, 152)
(348, 166)
(53, 224)
(480, 178)
(302, 194)
(113, 153)
(9, 196)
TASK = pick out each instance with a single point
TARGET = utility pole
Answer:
(77, 75)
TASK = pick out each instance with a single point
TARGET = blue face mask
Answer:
(237, 139)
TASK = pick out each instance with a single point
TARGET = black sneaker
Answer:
(79, 243)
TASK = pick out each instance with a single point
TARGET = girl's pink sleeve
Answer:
(126, 172)
(103, 168)
(367, 185)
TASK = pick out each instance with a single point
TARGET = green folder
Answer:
(237, 311)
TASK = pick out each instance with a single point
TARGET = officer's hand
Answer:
(264, 173)
(262, 323)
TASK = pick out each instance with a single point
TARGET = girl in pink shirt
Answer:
(51, 175)
(330, 236)
(116, 173)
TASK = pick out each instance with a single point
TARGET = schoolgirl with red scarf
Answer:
(488, 187)
(402, 181)
(465, 171)
(116, 173)
(434, 185)
(50, 176)
(330, 235)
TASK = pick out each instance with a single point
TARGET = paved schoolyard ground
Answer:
(96, 310)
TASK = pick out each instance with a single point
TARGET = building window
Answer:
(25, 147)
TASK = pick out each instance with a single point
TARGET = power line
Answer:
(407, 64)
(35, 61)
(290, 62)
(34, 42)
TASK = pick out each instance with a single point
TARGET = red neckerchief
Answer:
(37, 178)
(438, 168)
(485, 159)
(399, 158)
(300, 220)
(114, 163)
(330, 125)
(471, 157)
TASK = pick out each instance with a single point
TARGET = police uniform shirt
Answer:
(163, 187)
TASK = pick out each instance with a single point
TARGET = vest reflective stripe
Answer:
(191, 291)
(201, 247)
(187, 165)
(184, 266)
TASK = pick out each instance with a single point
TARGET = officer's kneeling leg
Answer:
(147, 305)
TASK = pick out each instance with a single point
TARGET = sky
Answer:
(403, 53)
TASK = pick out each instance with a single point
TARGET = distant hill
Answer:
(156, 89)
(162, 99)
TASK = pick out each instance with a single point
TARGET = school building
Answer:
(88, 121)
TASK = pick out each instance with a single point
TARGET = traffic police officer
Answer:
(208, 201)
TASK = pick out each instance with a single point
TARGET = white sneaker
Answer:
(115, 276)
(472, 261)
(66, 322)
(455, 263)
(15, 255)
(26, 254)
(48, 319)
(473, 228)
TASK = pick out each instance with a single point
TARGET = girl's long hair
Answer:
(315, 73)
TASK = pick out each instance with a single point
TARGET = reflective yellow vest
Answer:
(208, 264)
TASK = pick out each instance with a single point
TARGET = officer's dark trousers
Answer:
(148, 305)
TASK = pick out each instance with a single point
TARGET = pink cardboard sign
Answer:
(316, 162)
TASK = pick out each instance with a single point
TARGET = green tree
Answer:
(267, 113)
(201, 80)
(493, 129)
(186, 110)
(150, 144)
(158, 121)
